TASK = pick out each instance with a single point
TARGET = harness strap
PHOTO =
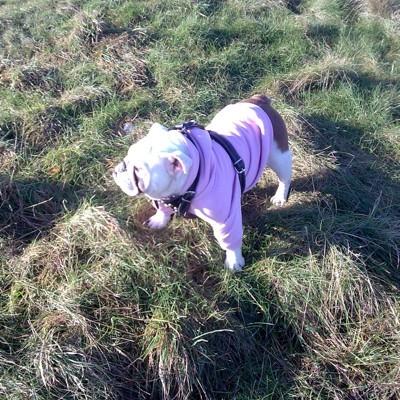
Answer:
(180, 204)
(237, 161)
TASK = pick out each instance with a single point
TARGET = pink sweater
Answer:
(218, 195)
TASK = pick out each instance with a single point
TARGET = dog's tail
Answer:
(262, 98)
(259, 100)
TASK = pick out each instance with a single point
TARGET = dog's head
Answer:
(157, 165)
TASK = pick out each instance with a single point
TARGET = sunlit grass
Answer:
(93, 305)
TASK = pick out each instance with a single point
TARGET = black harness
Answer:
(180, 204)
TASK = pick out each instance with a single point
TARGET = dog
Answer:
(202, 172)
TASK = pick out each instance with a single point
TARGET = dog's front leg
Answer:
(227, 226)
(161, 218)
(234, 260)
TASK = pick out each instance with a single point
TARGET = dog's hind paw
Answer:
(278, 200)
(281, 195)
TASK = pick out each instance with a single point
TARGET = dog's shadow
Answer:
(351, 204)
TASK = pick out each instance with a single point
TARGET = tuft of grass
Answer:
(374, 8)
(322, 75)
(339, 295)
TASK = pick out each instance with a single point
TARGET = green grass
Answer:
(95, 306)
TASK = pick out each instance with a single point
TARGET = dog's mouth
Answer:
(128, 181)
(136, 180)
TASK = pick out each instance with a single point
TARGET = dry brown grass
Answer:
(380, 8)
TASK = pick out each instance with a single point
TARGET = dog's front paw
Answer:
(234, 260)
(158, 221)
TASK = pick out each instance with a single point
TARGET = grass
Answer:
(94, 306)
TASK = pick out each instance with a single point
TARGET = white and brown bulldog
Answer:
(186, 170)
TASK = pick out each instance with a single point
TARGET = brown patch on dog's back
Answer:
(278, 125)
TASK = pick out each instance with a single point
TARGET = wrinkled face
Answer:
(155, 166)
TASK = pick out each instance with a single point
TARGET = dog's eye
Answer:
(123, 166)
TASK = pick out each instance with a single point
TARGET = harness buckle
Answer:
(188, 195)
(239, 166)
(186, 125)
(184, 205)
(190, 124)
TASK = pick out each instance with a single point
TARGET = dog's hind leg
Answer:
(281, 163)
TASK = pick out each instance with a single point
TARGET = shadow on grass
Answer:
(364, 82)
(209, 7)
(352, 205)
(294, 5)
(270, 353)
(29, 208)
(361, 177)
(325, 33)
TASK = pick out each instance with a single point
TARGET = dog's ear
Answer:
(178, 162)
(157, 128)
